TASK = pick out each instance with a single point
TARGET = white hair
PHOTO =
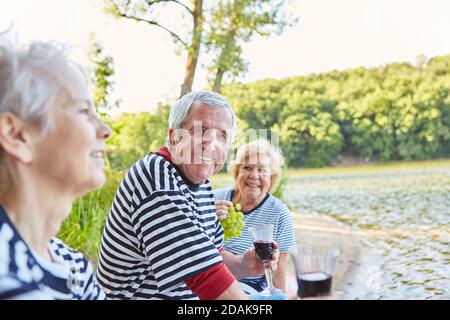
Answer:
(179, 111)
(31, 77)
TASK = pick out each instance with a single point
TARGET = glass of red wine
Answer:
(314, 265)
(262, 236)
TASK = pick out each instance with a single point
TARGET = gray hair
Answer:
(30, 77)
(179, 111)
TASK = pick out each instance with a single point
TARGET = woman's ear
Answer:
(15, 137)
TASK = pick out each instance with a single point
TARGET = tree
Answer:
(258, 104)
(137, 134)
(234, 22)
(394, 112)
(101, 76)
(309, 133)
(148, 11)
(229, 24)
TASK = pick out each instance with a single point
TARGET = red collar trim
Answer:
(163, 151)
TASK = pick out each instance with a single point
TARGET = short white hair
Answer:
(180, 110)
(31, 77)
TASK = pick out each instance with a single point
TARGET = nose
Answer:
(254, 173)
(210, 139)
(103, 130)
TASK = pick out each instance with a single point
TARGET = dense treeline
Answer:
(395, 112)
(136, 134)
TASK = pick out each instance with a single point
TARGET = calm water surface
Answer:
(403, 209)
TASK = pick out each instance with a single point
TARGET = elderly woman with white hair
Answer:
(256, 171)
(51, 152)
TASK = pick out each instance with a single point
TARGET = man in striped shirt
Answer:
(162, 239)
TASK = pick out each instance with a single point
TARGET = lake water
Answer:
(404, 212)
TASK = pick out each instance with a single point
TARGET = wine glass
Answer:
(314, 265)
(262, 236)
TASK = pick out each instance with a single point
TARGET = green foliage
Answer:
(219, 26)
(258, 104)
(136, 134)
(83, 229)
(231, 23)
(396, 112)
(101, 76)
(278, 191)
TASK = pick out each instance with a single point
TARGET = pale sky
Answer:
(330, 35)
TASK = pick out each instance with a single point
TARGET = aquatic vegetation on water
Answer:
(404, 209)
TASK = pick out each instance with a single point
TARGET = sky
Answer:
(330, 35)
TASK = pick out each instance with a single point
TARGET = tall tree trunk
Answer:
(194, 48)
(218, 80)
(222, 58)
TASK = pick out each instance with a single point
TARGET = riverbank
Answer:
(316, 229)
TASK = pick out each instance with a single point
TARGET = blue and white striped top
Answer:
(161, 230)
(270, 211)
(24, 275)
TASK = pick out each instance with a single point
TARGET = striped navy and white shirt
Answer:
(161, 230)
(270, 211)
(24, 275)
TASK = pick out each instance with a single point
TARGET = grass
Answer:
(82, 230)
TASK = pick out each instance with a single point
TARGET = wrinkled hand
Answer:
(222, 208)
(254, 266)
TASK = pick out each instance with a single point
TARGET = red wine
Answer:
(314, 284)
(264, 249)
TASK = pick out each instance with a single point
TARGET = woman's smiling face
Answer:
(253, 179)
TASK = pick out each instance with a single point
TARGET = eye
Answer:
(84, 107)
(223, 136)
(84, 111)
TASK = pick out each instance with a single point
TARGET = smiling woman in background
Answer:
(51, 152)
(256, 171)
